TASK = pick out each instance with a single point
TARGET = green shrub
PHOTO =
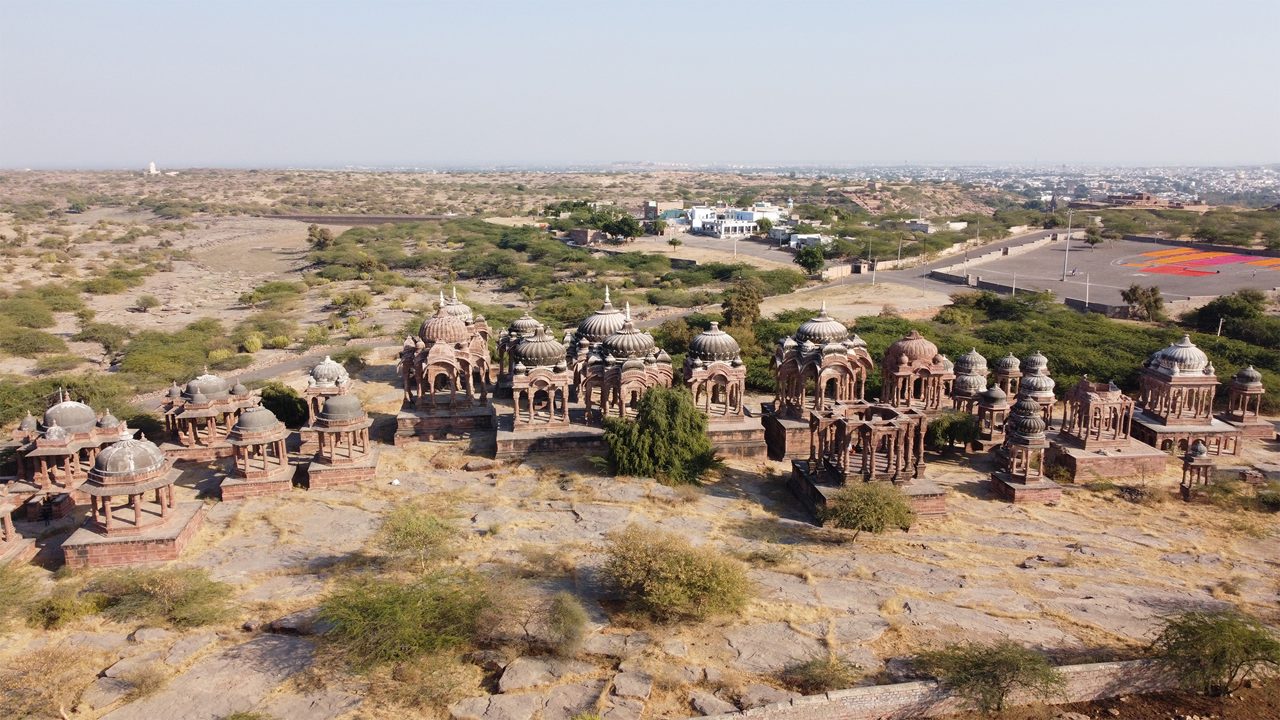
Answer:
(985, 675)
(377, 621)
(64, 606)
(285, 403)
(1268, 498)
(566, 624)
(111, 337)
(181, 597)
(661, 575)
(26, 312)
(252, 343)
(354, 359)
(667, 440)
(1216, 651)
(414, 532)
(234, 361)
(28, 343)
(868, 506)
(58, 363)
(278, 342)
(315, 335)
(821, 674)
(146, 302)
(217, 356)
(433, 682)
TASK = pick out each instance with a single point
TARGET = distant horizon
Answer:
(570, 83)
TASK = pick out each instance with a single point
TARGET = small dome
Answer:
(55, 433)
(970, 385)
(175, 392)
(1197, 450)
(1008, 365)
(256, 419)
(1034, 363)
(916, 349)
(540, 350)
(714, 344)
(208, 385)
(28, 423)
(1037, 384)
(524, 326)
(629, 342)
(1248, 376)
(855, 342)
(342, 407)
(239, 390)
(1025, 420)
(329, 373)
(604, 322)
(993, 395)
(971, 363)
(71, 416)
(1180, 358)
(129, 457)
(633, 364)
(822, 329)
(945, 362)
(444, 328)
(107, 421)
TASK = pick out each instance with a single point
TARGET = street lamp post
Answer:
(1086, 292)
(1067, 254)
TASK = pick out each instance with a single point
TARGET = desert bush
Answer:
(252, 342)
(662, 576)
(233, 361)
(985, 675)
(1216, 651)
(37, 684)
(145, 681)
(566, 624)
(354, 359)
(379, 621)
(869, 506)
(220, 355)
(278, 342)
(28, 343)
(1267, 498)
(28, 312)
(58, 363)
(285, 403)
(415, 533)
(315, 335)
(111, 337)
(820, 675)
(17, 588)
(180, 597)
(62, 607)
(667, 440)
(276, 294)
(432, 682)
(146, 302)
(354, 302)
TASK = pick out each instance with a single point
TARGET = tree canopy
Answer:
(666, 441)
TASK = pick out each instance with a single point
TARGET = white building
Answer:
(799, 240)
(724, 221)
(729, 227)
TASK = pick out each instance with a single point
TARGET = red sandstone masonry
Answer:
(129, 552)
(926, 699)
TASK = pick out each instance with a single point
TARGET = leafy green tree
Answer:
(810, 258)
(868, 506)
(146, 302)
(742, 300)
(666, 441)
(1216, 651)
(318, 237)
(986, 675)
(659, 226)
(1145, 303)
(285, 403)
(623, 226)
(952, 428)
(765, 225)
(675, 242)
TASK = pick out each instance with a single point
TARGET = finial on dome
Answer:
(455, 293)
(606, 294)
(715, 325)
(823, 311)
(441, 298)
(628, 310)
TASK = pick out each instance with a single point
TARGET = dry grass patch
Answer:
(45, 683)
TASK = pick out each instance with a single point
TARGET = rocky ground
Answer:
(1086, 578)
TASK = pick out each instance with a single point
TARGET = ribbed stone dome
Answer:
(1008, 364)
(971, 363)
(329, 373)
(822, 329)
(714, 344)
(444, 328)
(1037, 384)
(855, 342)
(454, 307)
(629, 342)
(129, 457)
(1248, 376)
(342, 407)
(914, 346)
(1025, 420)
(601, 324)
(1181, 358)
(209, 385)
(524, 326)
(71, 416)
(969, 385)
(256, 419)
(994, 395)
(945, 362)
(540, 350)
(1034, 363)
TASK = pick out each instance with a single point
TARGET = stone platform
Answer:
(1221, 438)
(1260, 430)
(1037, 491)
(785, 437)
(737, 438)
(414, 425)
(927, 499)
(322, 475)
(234, 488)
(197, 453)
(1132, 459)
(88, 549)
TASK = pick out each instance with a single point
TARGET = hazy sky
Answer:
(255, 83)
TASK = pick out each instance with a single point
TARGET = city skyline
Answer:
(567, 84)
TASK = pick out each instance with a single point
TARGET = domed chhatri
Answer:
(715, 374)
(1021, 477)
(621, 368)
(329, 373)
(520, 329)
(1035, 363)
(342, 408)
(1025, 422)
(56, 452)
(604, 322)
(915, 375)
(200, 418)
(1181, 358)
(821, 364)
(540, 382)
(444, 328)
(130, 469)
(1244, 404)
(447, 368)
(1176, 389)
(454, 307)
(326, 379)
(72, 416)
(629, 342)
(970, 381)
(344, 454)
(261, 461)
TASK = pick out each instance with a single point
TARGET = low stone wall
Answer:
(926, 699)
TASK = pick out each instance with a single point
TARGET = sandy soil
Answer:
(850, 301)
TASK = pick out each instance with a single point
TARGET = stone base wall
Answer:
(510, 446)
(903, 701)
(1260, 430)
(240, 488)
(926, 499)
(926, 502)
(419, 426)
(198, 453)
(737, 441)
(133, 549)
(785, 438)
(1082, 466)
(63, 505)
(320, 476)
(18, 551)
(1043, 491)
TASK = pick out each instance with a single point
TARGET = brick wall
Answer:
(132, 551)
(927, 699)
